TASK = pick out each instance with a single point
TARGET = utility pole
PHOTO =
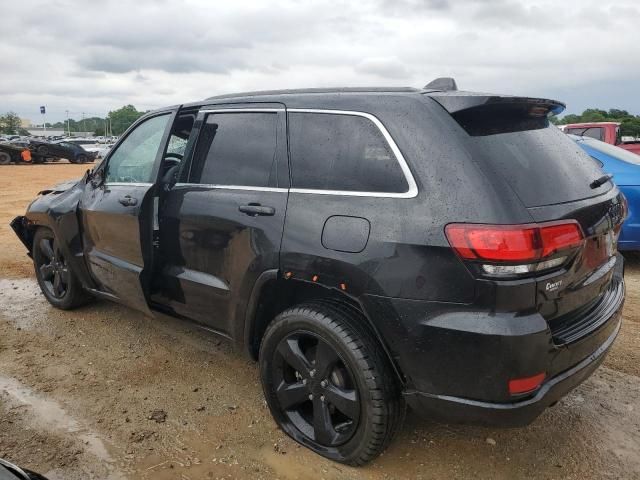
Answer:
(83, 127)
(68, 124)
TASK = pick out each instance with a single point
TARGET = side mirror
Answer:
(96, 177)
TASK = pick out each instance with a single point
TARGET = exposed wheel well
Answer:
(276, 295)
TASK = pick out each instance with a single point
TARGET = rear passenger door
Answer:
(221, 225)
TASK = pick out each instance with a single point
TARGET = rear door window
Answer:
(237, 149)
(344, 153)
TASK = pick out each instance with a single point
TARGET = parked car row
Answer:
(74, 150)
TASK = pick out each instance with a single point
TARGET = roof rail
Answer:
(443, 83)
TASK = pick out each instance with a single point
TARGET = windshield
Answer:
(613, 151)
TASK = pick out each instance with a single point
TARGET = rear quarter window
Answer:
(342, 152)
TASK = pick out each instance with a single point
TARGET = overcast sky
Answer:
(94, 56)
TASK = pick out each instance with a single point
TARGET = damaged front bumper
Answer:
(20, 226)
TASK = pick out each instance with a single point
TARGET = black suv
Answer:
(371, 247)
(69, 150)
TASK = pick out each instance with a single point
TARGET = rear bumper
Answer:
(455, 409)
(457, 360)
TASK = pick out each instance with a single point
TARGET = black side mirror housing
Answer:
(96, 177)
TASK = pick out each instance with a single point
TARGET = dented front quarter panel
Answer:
(57, 208)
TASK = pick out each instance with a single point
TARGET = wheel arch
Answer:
(272, 294)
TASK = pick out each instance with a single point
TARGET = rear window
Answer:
(543, 166)
(592, 132)
(340, 152)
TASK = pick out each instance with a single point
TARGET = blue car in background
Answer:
(625, 168)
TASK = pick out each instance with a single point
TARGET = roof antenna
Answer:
(443, 83)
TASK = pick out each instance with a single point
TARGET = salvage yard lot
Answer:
(103, 392)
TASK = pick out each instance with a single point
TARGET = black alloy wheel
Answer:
(315, 389)
(52, 267)
(57, 281)
(328, 382)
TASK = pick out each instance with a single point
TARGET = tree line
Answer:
(116, 122)
(629, 124)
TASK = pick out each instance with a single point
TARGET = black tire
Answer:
(5, 158)
(355, 407)
(57, 281)
(81, 159)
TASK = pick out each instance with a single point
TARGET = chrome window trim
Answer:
(243, 110)
(412, 192)
(232, 187)
(128, 184)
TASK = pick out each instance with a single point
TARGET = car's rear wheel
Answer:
(5, 158)
(57, 281)
(328, 383)
(81, 159)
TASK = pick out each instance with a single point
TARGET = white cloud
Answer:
(95, 56)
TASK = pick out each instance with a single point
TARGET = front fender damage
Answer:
(19, 226)
(58, 210)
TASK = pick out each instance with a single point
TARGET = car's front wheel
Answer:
(328, 383)
(57, 281)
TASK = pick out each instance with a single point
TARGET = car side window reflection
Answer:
(133, 160)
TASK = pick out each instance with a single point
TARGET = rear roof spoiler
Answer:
(483, 114)
(457, 101)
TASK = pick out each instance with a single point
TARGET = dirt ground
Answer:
(103, 392)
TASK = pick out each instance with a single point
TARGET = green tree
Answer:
(630, 127)
(594, 115)
(10, 123)
(122, 118)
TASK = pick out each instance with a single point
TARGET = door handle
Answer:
(128, 201)
(255, 209)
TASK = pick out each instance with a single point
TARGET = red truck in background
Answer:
(608, 132)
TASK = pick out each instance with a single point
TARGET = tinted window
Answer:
(542, 166)
(237, 149)
(342, 152)
(134, 158)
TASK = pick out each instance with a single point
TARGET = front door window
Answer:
(133, 160)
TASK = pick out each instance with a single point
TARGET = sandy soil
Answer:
(103, 392)
(19, 184)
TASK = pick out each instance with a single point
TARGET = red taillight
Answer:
(518, 386)
(512, 243)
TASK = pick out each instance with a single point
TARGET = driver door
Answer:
(118, 212)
